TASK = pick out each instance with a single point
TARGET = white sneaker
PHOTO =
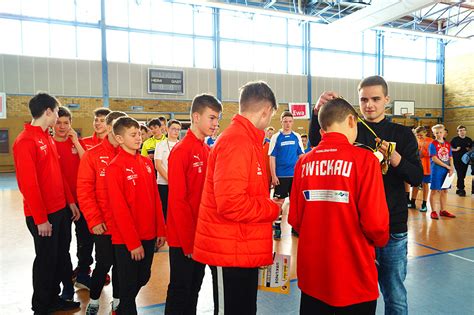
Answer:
(92, 309)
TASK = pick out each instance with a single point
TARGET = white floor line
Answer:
(450, 254)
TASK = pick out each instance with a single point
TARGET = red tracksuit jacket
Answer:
(91, 189)
(92, 141)
(39, 175)
(338, 206)
(134, 200)
(187, 165)
(69, 160)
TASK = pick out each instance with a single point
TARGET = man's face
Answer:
(164, 129)
(287, 123)
(62, 126)
(372, 103)
(156, 131)
(269, 133)
(462, 132)
(100, 126)
(52, 116)
(131, 138)
(144, 134)
(207, 122)
(173, 131)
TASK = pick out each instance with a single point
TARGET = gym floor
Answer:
(440, 267)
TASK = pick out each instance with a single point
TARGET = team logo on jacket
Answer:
(259, 169)
(326, 195)
(148, 168)
(73, 150)
(198, 163)
(104, 164)
(443, 154)
(132, 176)
(43, 146)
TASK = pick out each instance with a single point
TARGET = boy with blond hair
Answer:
(441, 166)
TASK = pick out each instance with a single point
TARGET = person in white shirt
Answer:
(162, 153)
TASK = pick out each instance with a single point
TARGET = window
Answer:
(163, 16)
(63, 41)
(116, 12)
(369, 66)
(172, 51)
(431, 72)
(35, 39)
(236, 25)
(321, 37)
(117, 46)
(203, 21)
(295, 61)
(432, 48)
(89, 43)
(182, 18)
(11, 36)
(236, 56)
(295, 32)
(404, 45)
(62, 9)
(140, 14)
(35, 8)
(203, 53)
(10, 6)
(336, 65)
(401, 70)
(140, 48)
(88, 10)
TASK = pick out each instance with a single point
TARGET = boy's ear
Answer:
(118, 138)
(321, 132)
(352, 121)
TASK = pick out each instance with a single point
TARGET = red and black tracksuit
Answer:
(136, 209)
(187, 165)
(45, 198)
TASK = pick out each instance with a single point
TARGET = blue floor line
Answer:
(426, 246)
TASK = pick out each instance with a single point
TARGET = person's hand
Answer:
(279, 202)
(160, 242)
(190, 256)
(99, 229)
(451, 171)
(323, 99)
(395, 157)
(76, 214)
(73, 135)
(138, 253)
(275, 181)
(45, 229)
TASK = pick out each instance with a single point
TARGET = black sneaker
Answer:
(462, 193)
(457, 191)
(69, 305)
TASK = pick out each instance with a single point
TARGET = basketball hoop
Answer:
(407, 115)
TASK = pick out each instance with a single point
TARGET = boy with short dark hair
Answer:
(286, 147)
(304, 140)
(93, 199)
(338, 208)
(441, 166)
(148, 147)
(136, 210)
(100, 128)
(70, 150)
(460, 145)
(187, 164)
(45, 199)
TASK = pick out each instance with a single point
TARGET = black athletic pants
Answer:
(85, 244)
(51, 256)
(312, 306)
(132, 275)
(461, 170)
(186, 277)
(163, 190)
(104, 260)
(235, 290)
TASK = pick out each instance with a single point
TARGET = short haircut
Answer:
(203, 101)
(101, 111)
(143, 127)
(256, 92)
(420, 129)
(163, 120)
(64, 112)
(286, 114)
(374, 81)
(154, 122)
(109, 119)
(437, 127)
(174, 121)
(460, 127)
(40, 103)
(335, 111)
(123, 123)
(304, 135)
(269, 128)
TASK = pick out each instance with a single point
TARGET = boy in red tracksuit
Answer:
(93, 200)
(136, 210)
(338, 207)
(100, 128)
(187, 165)
(45, 198)
(70, 150)
(234, 226)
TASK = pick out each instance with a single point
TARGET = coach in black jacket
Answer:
(405, 166)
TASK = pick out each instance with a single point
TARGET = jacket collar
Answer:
(255, 134)
(192, 137)
(36, 129)
(334, 138)
(108, 146)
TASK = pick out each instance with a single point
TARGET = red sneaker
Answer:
(434, 215)
(447, 214)
(107, 279)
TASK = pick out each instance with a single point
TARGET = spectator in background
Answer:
(100, 128)
(269, 131)
(460, 145)
(164, 124)
(148, 147)
(144, 133)
(423, 149)
(212, 138)
(306, 145)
